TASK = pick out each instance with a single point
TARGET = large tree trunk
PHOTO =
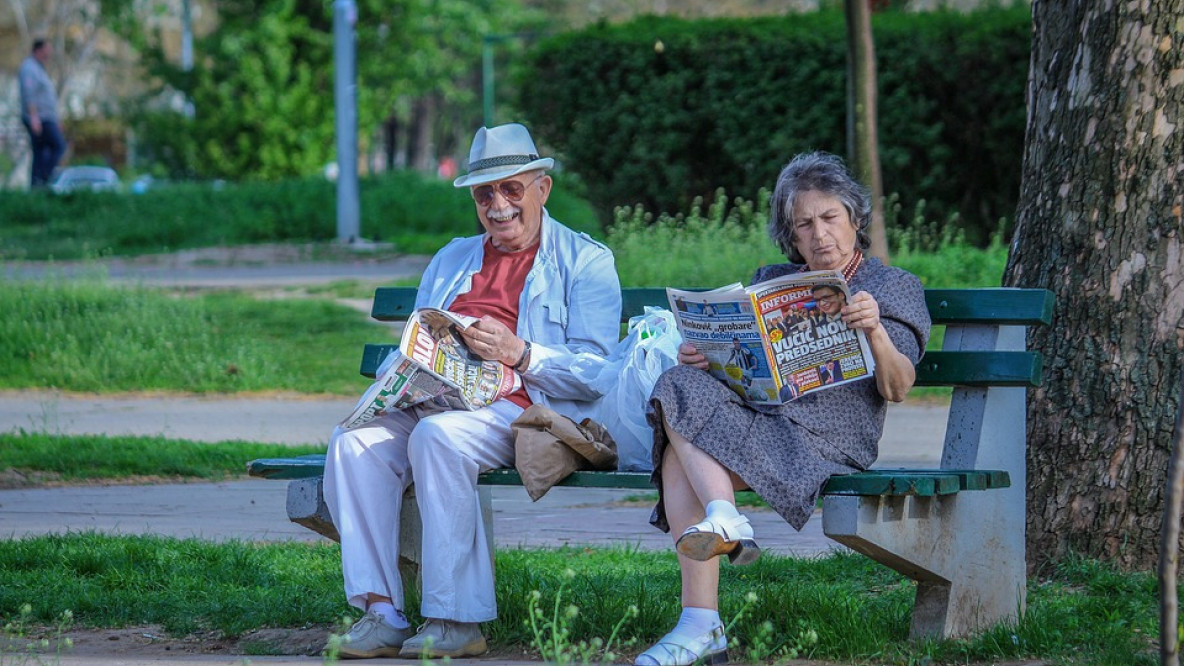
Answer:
(862, 130)
(1099, 223)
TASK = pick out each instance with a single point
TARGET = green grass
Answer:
(74, 458)
(84, 335)
(1083, 612)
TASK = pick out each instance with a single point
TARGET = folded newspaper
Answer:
(776, 340)
(433, 363)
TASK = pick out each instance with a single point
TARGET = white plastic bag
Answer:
(627, 379)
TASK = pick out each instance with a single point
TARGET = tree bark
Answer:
(1169, 551)
(862, 132)
(1099, 223)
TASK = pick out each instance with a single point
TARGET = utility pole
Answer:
(345, 97)
(487, 42)
(187, 49)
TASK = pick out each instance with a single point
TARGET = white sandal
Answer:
(678, 650)
(720, 536)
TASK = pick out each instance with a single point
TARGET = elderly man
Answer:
(544, 294)
(39, 113)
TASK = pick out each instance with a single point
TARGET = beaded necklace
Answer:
(849, 269)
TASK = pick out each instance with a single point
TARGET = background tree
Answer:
(1100, 224)
(262, 84)
(862, 124)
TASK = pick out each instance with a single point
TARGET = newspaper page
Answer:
(777, 340)
(808, 342)
(723, 326)
(434, 364)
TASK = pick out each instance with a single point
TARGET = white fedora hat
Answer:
(500, 152)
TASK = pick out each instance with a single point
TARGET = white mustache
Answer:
(503, 214)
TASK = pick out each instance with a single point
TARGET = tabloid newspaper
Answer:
(433, 363)
(776, 340)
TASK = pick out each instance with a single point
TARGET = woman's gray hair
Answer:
(819, 172)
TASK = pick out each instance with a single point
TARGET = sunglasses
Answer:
(512, 190)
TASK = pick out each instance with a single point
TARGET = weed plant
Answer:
(24, 644)
(84, 335)
(73, 458)
(841, 607)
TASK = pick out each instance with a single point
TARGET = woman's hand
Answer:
(688, 355)
(862, 312)
(493, 341)
(895, 373)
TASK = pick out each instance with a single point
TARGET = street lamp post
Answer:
(345, 97)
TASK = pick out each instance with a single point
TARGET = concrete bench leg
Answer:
(969, 573)
(966, 551)
(306, 506)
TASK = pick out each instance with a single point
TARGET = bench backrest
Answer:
(947, 307)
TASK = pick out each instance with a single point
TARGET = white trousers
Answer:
(367, 471)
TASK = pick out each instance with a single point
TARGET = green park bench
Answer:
(964, 549)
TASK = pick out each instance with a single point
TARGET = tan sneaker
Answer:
(443, 638)
(372, 637)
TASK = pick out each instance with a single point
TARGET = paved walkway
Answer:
(255, 509)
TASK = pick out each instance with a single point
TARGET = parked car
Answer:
(93, 178)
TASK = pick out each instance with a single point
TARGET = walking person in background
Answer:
(39, 113)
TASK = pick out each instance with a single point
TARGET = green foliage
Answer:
(728, 242)
(88, 457)
(660, 111)
(83, 335)
(419, 214)
(262, 86)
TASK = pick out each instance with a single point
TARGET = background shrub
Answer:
(659, 111)
(417, 213)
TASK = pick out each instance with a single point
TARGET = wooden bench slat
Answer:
(393, 303)
(997, 307)
(583, 479)
(302, 467)
(968, 479)
(980, 368)
(1025, 307)
(895, 482)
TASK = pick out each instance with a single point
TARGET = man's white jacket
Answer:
(569, 309)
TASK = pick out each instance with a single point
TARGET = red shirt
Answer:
(495, 292)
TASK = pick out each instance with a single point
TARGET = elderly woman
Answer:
(708, 443)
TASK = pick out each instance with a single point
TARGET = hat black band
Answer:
(503, 160)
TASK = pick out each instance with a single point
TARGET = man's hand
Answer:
(689, 355)
(35, 123)
(493, 341)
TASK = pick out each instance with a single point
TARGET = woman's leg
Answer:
(700, 580)
(699, 635)
(707, 477)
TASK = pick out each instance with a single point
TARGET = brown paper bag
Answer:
(549, 446)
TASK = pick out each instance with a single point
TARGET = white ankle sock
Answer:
(696, 622)
(391, 615)
(721, 509)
